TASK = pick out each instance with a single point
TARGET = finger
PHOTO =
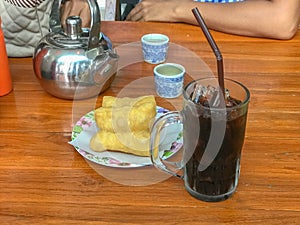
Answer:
(135, 14)
(86, 18)
(65, 12)
(81, 10)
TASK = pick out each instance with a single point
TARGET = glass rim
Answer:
(244, 102)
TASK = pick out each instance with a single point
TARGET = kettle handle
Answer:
(55, 22)
(95, 24)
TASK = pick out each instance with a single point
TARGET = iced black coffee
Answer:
(213, 134)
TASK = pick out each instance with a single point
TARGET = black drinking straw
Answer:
(214, 47)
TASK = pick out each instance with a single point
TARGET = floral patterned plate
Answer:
(88, 120)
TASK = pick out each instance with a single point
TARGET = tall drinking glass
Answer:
(213, 136)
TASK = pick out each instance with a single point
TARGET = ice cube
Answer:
(206, 95)
(197, 93)
(230, 101)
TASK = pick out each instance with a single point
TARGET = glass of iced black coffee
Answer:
(214, 124)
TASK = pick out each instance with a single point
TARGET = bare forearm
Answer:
(262, 18)
(251, 18)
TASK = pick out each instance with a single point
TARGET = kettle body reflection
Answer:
(77, 62)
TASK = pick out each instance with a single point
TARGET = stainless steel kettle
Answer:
(77, 62)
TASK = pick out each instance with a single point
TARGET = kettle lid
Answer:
(75, 36)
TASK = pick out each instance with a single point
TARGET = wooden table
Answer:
(44, 180)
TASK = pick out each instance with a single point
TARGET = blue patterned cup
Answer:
(155, 48)
(169, 79)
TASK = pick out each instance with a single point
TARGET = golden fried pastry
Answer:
(126, 118)
(124, 124)
(133, 143)
(110, 101)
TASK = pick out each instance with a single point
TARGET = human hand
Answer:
(155, 10)
(76, 8)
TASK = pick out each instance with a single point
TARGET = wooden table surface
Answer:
(44, 180)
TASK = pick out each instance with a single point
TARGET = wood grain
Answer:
(43, 180)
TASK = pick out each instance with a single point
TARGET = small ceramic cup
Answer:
(155, 47)
(169, 79)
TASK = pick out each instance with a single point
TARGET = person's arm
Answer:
(277, 19)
